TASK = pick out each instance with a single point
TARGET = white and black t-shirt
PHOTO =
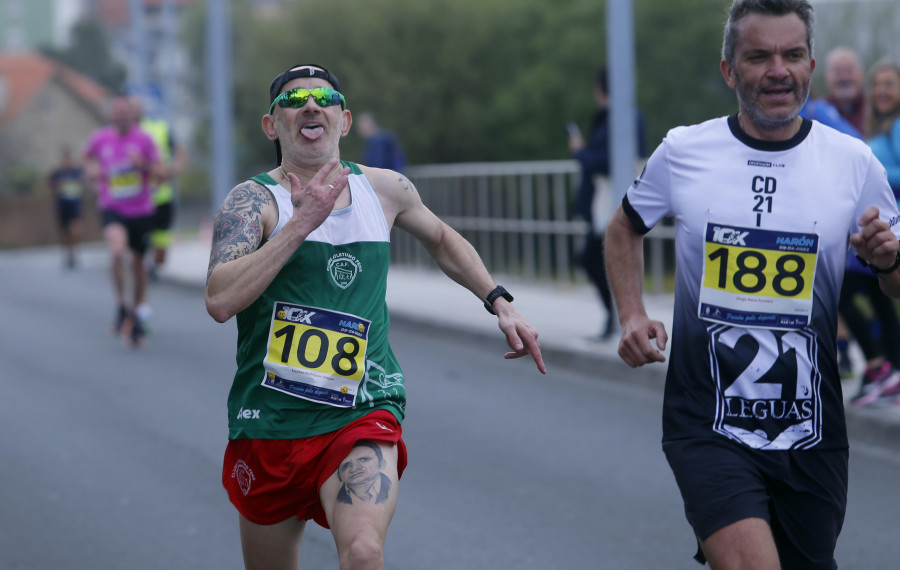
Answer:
(762, 234)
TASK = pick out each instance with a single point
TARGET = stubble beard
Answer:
(303, 151)
(749, 105)
(308, 154)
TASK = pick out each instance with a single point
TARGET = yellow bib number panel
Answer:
(755, 277)
(70, 189)
(125, 184)
(316, 354)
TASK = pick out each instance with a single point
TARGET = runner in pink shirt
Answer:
(119, 160)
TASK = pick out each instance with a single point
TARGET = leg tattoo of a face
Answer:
(361, 475)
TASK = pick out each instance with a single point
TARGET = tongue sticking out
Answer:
(312, 131)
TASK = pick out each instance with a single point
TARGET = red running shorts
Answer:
(271, 480)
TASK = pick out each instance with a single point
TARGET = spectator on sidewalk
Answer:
(881, 346)
(594, 194)
(844, 80)
(822, 110)
(843, 77)
(884, 118)
(382, 148)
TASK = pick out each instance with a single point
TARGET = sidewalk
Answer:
(566, 318)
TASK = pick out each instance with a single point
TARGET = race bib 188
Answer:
(754, 277)
(316, 354)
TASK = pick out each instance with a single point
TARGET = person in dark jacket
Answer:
(382, 149)
(593, 156)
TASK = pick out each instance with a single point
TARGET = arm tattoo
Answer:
(237, 230)
(405, 183)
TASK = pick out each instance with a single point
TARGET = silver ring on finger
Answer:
(331, 186)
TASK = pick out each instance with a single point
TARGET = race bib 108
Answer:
(316, 354)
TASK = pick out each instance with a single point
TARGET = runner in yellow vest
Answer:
(174, 158)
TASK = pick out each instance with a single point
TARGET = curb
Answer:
(864, 425)
(873, 426)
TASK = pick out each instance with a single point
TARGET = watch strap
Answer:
(499, 291)
(878, 270)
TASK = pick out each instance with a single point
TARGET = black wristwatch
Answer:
(498, 292)
(877, 270)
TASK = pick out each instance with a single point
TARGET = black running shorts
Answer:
(138, 229)
(68, 211)
(164, 216)
(802, 494)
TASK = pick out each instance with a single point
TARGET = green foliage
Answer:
(19, 180)
(477, 80)
(677, 55)
(89, 53)
(194, 183)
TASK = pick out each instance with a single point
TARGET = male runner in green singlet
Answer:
(300, 256)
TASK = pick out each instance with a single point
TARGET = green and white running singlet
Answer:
(762, 237)
(312, 351)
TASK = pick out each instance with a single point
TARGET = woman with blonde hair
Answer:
(884, 112)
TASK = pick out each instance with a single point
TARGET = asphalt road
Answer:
(111, 458)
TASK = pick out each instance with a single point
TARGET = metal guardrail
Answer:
(517, 215)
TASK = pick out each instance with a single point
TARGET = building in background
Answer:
(25, 25)
(148, 44)
(44, 106)
(158, 75)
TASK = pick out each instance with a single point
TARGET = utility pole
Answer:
(168, 63)
(138, 71)
(218, 64)
(623, 110)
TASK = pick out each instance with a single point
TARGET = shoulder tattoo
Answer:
(405, 183)
(237, 230)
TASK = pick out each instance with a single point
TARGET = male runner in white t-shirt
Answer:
(765, 204)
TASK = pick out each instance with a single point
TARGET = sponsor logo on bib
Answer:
(729, 236)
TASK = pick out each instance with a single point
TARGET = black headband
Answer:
(309, 70)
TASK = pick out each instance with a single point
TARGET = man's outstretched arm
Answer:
(458, 259)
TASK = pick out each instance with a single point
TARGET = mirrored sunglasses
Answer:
(296, 98)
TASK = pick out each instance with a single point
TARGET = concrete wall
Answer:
(28, 222)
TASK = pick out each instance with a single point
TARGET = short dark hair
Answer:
(371, 445)
(741, 8)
